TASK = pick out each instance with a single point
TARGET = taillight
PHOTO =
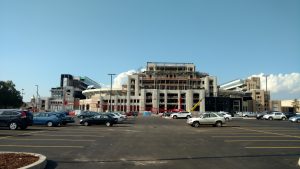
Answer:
(23, 114)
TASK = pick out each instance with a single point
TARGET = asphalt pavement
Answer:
(155, 142)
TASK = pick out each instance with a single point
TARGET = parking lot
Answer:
(155, 142)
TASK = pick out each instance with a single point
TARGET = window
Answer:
(6, 113)
(213, 115)
(206, 116)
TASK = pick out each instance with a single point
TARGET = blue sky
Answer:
(39, 40)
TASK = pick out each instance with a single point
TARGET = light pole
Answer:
(22, 94)
(110, 74)
(267, 97)
(37, 97)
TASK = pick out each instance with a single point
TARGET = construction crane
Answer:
(196, 105)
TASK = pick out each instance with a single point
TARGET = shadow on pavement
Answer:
(51, 164)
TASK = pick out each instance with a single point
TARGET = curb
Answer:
(40, 164)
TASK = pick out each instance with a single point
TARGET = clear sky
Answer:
(230, 39)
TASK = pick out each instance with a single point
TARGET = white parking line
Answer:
(51, 135)
(29, 139)
(267, 132)
(250, 136)
(273, 147)
(39, 146)
(262, 140)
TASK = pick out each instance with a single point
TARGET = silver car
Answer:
(295, 119)
(207, 118)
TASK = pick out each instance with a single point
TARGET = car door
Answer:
(40, 118)
(36, 118)
(97, 119)
(277, 116)
(4, 118)
(204, 119)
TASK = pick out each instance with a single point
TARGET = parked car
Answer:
(249, 114)
(120, 115)
(87, 114)
(289, 114)
(259, 116)
(207, 118)
(181, 115)
(131, 113)
(65, 118)
(274, 116)
(117, 116)
(14, 119)
(226, 115)
(49, 119)
(106, 119)
(295, 119)
(167, 114)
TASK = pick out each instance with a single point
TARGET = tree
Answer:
(9, 96)
(296, 105)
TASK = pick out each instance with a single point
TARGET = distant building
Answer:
(290, 105)
(68, 94)
(248, 88)
(275, 105)
(260, 99)
(242, 85)
(162, 87)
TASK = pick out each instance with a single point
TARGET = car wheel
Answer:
(196, 124)
(218, 124)
(298, 121)
(283, 118)
(227, 119)
(13, 126)
(246, 116)
(108, 124)
(188, 116)
(86, 123)
(174, 117)
(270, 118)
(49, 124)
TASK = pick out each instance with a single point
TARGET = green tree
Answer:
(296, 105)
(9, 96)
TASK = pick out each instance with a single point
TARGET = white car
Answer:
(274, 115)
(226, 115)
(181, 115)
(116, 116)
(207, 118)
(120, 115)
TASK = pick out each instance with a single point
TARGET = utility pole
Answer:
(110, 93)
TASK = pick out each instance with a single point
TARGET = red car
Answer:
(131, 113)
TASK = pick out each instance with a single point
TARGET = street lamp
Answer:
(110, 74)
(22, 94)
(267, 97)
(37, 95)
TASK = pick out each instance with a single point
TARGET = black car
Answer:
(14, 119)
(100, 119)
(289, 114)
(259, 116)
(87, 114)
(64, 117)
